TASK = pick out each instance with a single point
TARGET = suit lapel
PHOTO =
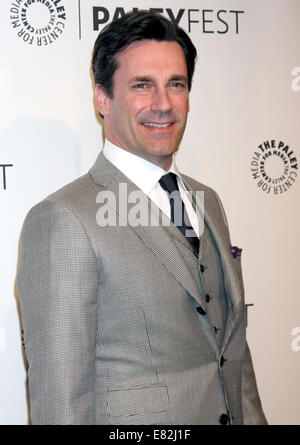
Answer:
(159, 239)
(231, 279)
(232, 282)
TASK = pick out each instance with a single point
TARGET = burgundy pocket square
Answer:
(235, 251)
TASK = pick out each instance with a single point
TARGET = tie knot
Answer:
(169, 182)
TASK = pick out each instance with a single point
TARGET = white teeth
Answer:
(149, 124)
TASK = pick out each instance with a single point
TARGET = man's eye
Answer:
(177, 85)
(141, 85)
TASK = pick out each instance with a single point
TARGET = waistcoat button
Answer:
(200, 310)
(222, 360)
(224, 419)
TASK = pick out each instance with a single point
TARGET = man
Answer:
(130, 323)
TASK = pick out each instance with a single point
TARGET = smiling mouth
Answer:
(157, 125)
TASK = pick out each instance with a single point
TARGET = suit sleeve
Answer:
(57, 285)
(252, 410)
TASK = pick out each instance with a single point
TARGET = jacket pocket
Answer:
(139, 405)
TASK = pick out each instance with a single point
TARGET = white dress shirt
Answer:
(146, 175)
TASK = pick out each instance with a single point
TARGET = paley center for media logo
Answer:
(274, 167)
(38, 22)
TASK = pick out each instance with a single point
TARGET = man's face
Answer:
(148, 112)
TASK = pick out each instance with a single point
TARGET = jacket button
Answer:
(207, 298)
(202, 268)
(222, 360)
(200, 310)
(224, 419)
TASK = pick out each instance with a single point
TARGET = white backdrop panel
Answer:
(246, 92)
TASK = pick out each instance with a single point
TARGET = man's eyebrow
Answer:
(150, 79)
(140, 79)
(178, 77)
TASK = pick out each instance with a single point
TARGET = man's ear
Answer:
(102, 100)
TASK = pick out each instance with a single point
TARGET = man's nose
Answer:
(161, 101)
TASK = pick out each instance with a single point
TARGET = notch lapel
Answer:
(232, 282)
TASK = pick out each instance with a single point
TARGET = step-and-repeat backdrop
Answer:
(242, 138)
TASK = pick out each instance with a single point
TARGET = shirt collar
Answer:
(141, 172)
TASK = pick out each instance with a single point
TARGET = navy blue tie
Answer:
(179, 214)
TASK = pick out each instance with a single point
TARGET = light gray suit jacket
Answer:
(111, 334)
